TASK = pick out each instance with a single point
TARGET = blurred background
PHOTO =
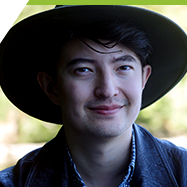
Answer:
(167, 118)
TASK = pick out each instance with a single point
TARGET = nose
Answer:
(106, 86)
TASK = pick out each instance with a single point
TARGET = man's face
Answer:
(99, 94)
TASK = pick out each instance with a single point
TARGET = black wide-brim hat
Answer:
(23, 50)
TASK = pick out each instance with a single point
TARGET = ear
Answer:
(146, 74)
(48, 86)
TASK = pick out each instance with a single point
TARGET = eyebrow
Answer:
(125, 58)
(79, 61)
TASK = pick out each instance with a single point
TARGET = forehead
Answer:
(75, 48)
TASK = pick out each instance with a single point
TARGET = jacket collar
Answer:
(52, 166)
(152, 168)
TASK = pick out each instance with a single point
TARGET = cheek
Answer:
(133, 91)
(73, 95)
(134, 96)
(73, 99)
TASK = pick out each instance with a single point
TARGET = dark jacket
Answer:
(158, 163)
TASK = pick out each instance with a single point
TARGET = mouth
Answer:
(106, 109)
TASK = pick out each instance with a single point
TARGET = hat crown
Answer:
(63, 6)
(58, 6)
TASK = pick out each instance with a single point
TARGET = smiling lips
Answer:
(106, 110)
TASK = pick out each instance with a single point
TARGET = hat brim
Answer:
(20, 54)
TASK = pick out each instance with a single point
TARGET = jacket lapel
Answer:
(52, 167)
(151, 168)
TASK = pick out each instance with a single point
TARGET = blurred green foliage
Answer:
(28, 128)
(166, 117)
(32, 130)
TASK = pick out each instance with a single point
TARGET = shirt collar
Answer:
(131, 167)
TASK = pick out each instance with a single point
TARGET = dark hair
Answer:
(112, 32)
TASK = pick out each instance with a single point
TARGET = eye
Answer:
(82, 71)
(124, 68)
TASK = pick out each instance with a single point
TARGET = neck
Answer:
(101, 162)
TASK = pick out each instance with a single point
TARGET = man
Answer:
(97, 67)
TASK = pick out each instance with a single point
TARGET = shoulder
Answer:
(163, 154)
(42, 159)
(146, 136)
(16, 175)
(176, 156)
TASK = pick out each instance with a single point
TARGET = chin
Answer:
(107, 130)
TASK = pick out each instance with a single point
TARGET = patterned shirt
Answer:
(127, 178)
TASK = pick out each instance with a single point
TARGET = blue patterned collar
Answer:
(128, 177)
(130, 171)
